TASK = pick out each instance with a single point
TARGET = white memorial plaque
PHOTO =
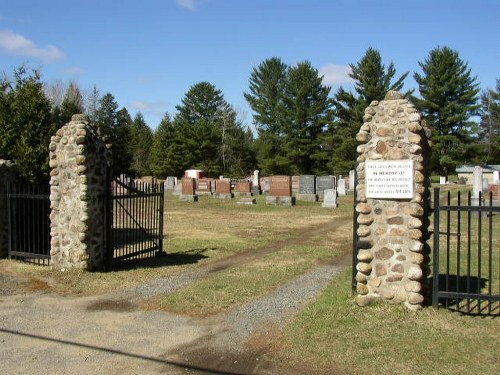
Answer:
(389, 179)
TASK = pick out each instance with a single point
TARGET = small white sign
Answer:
(389, 179)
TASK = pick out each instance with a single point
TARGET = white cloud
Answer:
(335, 74)
(17, 44)
(74, 70)
(149, 107)
(188, 4)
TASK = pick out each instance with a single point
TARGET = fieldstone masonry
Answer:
(78, 190)
(393, 258)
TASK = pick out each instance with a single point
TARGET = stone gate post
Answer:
(78, 193)
(393, 202)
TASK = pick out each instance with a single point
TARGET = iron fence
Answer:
(466, 257)
(135, 228)
(28, 210)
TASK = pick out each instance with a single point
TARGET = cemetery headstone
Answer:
(247, 201)
(265, 184)
(307, 188)
(330, 199)
(442, 180)
(496, 177)
(392, 204)
(323, 183)
(295, 184)
(341, 187)
(352, 179)
(223, 189)
(477, 185)
(170, 183)
(494, 190)
(280, 192)
(204, 187)
(188, 190)
(256, 183)
(243, 188)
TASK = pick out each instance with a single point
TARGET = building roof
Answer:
(470, 168)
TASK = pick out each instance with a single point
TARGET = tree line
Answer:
(301, 127)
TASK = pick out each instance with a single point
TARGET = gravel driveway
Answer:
(109, 334)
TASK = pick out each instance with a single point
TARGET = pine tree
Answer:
(489, 132)
(166, 159)
(26, 124)
(121, 150)
(198, 123)
(449, 100)
(72, 103)
(372, 81)
(141, 141)
(267, 90)
(307, 111)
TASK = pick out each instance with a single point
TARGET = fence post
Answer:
(435, 263)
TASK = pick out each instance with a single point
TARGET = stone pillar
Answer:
(477, 185)
(78, 195)
(393, 203)
(256, 183)
(7, 175)
(352, 179)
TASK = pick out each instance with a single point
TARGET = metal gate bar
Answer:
(458, 291)
(28, 210)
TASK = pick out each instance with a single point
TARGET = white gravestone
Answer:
(341, 187)
(477, 185)
(442, 180)
(329, 199)
(352, 179)
(496, 177)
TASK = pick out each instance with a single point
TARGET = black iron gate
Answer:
(135, 223)
(466, 256)
(28, 232)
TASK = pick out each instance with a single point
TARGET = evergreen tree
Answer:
(372, 81)
(489, 132)
(72, 103)
(26, 124)
(198, 121)
(307, 111)
(106, 117)
(166, 151)
(449, 99)
(267, 90)
(141, 141)
(93, 100)
(121, 150)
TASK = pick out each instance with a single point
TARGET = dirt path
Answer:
(51, 334)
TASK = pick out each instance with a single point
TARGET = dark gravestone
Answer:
(307, 188)
(307, 184)
(323, 183)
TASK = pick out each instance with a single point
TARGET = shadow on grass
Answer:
(161, 259)
(487, 305)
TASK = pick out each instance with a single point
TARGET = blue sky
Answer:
(149, 53)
